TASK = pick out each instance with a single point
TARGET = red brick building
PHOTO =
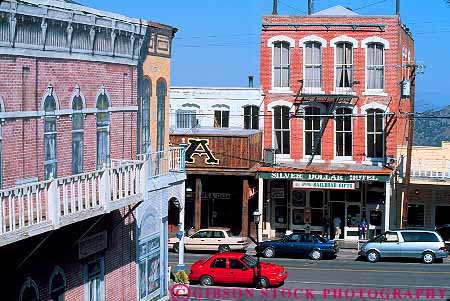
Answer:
(333, 86)
(83, 107)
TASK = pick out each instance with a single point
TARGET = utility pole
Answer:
(405, 200)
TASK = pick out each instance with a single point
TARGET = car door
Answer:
(290, 245)
(390, 245)
(218, 238)
(306, 244)
(239, 272)
(218, 270)
(198, 241)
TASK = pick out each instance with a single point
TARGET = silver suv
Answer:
(423, 244)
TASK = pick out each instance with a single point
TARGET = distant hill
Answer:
(431, 131)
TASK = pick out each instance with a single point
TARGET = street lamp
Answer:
(256, 220)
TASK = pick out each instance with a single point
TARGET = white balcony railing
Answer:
(430, 169)
(35, 208)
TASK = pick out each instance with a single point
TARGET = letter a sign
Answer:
(200, 147)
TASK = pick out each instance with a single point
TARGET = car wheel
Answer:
(372, 256)
(263, 282)
(315, 255)
(176, 247)
(428, 257)
(206, 280)
(269, 252)
(224, 248)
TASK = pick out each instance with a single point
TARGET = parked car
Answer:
(304, 245)
(423, 244)
(213, 239)
(236, 268)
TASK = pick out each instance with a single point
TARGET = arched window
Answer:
(77, 135)
(375, 66)
(57, 284)
(313, 65)
(29, 291)
(313, 143)
(50, 159)
(251, 117)
(161, 91)
(375, 133)
(103, 122)
(344, 135)
(145, 118)
(281, 130)
(344, 65)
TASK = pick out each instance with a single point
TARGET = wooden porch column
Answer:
(198, 204)
(244, 228)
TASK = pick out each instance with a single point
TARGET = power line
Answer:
(368, 5)
(291, 7)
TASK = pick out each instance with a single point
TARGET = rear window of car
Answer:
(419, 237)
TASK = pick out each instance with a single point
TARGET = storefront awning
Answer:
(326, 172)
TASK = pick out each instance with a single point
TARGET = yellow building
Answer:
(429, 192)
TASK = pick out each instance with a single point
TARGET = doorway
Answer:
(337, 209)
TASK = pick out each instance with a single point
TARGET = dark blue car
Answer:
(302, 245)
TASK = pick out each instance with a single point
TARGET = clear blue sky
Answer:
(217, 43)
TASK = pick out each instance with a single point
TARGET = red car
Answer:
(235, 268)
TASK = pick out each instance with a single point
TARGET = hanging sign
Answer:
(322, 185)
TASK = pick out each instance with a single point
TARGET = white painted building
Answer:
(216, 107)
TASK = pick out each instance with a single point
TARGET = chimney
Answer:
(275, 7)
(310, 7)
(250, 81)
(397, 8)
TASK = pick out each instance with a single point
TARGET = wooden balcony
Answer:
(431, 169)
(35, 208)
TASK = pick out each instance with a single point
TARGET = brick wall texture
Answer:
(393, 32)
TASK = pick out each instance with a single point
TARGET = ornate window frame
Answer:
(270, 43)
(364, 44)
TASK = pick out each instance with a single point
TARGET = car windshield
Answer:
(248, 260)
(320, 238)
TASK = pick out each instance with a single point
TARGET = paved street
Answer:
(333, 279)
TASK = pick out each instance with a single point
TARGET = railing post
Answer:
(143, 176)
(53, 204)
(105, 188)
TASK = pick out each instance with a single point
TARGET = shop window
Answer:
(280, 214)
(316, 199)
(281, 129)
(251, 117)
(298, 216)
(95, 280)
(353, 215)
(416, 215)
(298, 198)
(442, 216)
(316, 217)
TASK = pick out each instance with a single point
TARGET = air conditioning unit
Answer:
(390, 161)
(269, 157)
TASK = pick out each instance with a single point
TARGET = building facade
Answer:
(429, 190)
(86, 168)
(335, 114)
(221, 130)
